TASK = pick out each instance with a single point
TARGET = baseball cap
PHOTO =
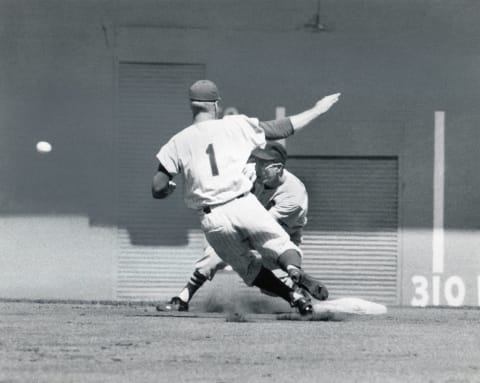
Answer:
(273, 151)
(204, 90)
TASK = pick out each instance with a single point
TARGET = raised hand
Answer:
(326, 103)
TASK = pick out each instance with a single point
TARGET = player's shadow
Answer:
(156, 222)
(128, 207)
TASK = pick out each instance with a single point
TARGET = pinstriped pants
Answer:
(243, 224)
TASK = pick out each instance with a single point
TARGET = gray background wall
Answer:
(394, 62)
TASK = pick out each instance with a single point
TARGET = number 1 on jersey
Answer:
(213, 162)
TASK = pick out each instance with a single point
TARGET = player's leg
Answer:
(283, 275)
(205, 269)
(271, 241)
(266, 280)
(290, 261)
(233, 247)
(249, 267)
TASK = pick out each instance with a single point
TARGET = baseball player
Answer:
(285, 198)
(211, 154)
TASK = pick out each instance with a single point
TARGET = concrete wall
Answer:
(394, 62)
(56, 257)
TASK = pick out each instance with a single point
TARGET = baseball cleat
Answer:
(174, 304)
(303, 305)
(316, 288)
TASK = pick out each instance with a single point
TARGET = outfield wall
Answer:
(395, 64)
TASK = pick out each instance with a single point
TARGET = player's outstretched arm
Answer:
(302, 119)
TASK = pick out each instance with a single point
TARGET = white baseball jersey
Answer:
(211, 156)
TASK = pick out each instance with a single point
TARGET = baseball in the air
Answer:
(44, 147)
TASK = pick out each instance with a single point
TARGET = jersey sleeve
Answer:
(168, 157)
(251, 130)
(277, 129)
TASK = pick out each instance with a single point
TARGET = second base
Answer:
(350, 305)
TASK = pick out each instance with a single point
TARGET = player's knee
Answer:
(290, 257)
(323, 296)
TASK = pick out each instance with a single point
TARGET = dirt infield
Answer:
(53, 342)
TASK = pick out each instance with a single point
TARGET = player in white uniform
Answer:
(286, 199)
(211, 154)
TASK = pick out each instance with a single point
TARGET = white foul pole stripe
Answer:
(438, 193)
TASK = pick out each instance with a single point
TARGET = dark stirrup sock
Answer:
(266, 280)
(196, 281)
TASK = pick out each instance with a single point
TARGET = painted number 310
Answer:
(453, 291)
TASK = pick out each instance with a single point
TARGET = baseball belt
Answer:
(208, 209)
